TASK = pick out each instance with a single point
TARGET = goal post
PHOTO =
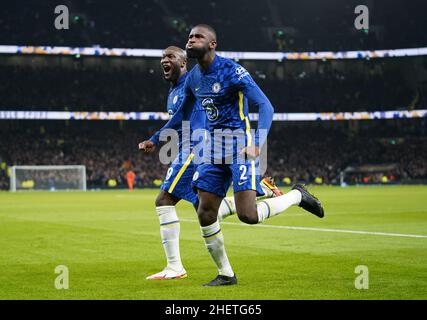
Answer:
(49, 178)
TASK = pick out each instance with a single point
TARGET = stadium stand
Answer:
(275, 24)
(128, 85)
(312, 152)
(298, 151)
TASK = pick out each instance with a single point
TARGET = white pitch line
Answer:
(320, 229)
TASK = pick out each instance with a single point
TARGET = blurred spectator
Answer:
(241, 24)
(314, 87)
(311, 153)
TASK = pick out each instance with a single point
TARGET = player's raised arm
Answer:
(183, 113)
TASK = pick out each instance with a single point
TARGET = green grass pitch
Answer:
(110, 242)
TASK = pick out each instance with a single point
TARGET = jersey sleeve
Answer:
(182, 113)
(243, 81)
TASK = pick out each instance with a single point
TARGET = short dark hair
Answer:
(180, 51)
(208, 27)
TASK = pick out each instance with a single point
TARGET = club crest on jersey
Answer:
(175, 99)
(211, 110)
(196, 176)
(216, 87)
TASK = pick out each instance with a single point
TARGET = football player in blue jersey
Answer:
(224, 89)
(177, 183)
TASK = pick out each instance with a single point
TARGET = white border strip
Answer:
(237, 55)
(386, 234)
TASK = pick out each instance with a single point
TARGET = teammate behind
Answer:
(177, 183)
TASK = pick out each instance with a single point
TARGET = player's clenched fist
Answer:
(147, 146)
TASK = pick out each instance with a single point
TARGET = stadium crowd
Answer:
(275, 24)
(297, 152)
(309, 153)
(376, 86)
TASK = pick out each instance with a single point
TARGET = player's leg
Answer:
(251, 212)
(213, 237)
(169, 229)
(169, 234)
(176, 186)
(226, 208)
(211, 177)
(245, 187)
(269, 187)
(298, 196)
(228, 205)
(246, 206)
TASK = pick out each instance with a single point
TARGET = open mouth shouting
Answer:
(167, 70)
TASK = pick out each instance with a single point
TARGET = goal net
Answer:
(50, 178)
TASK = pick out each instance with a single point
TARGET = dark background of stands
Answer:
(244, 25)
(300, 151)
(107, 84)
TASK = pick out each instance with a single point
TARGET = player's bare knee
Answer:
(248, 214)
(164, 199)
(206, 214)
(205, 211)
(248, 218)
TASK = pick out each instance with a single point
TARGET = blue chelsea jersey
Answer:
(220, 90)
(175, 99)
(176, 95)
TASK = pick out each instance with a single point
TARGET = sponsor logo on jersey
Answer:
(241, 72)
